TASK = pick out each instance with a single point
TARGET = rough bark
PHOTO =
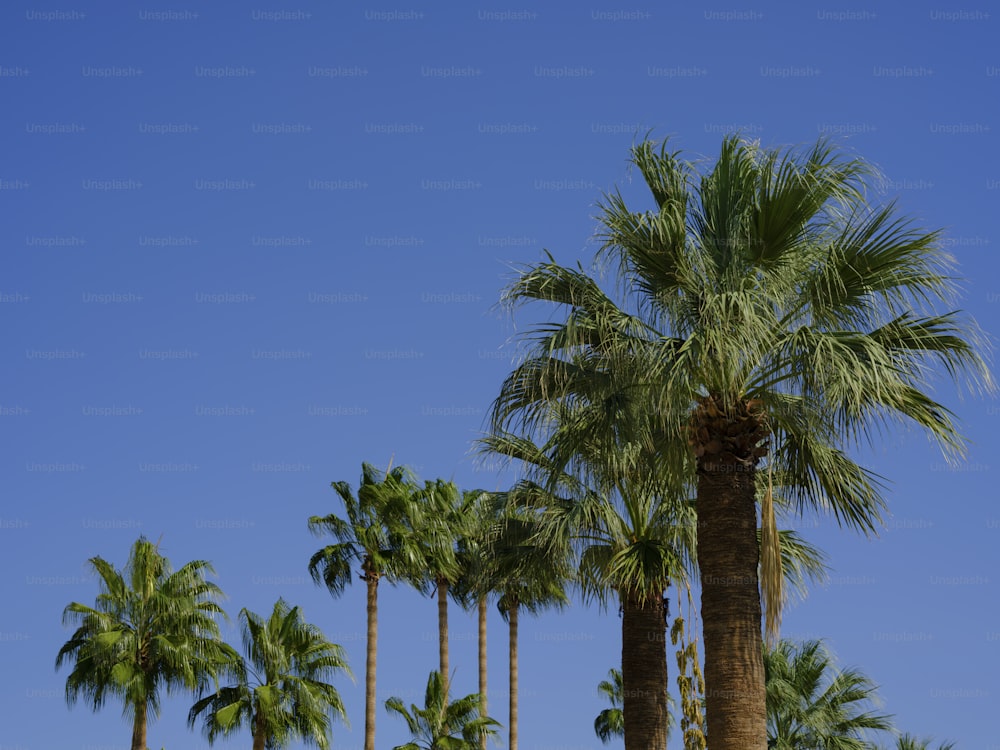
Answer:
(482, 665)
(644, 671)
(259, 732)
(370, 659)
(727, 444)
(512, 625)
(139, 727)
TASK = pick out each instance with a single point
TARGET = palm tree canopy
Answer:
(150, 629)
(610, 722)
(765, 311)
(282, 687)
(374, 535)
(438, 517)
(813, 706)
(911, 742)
(443, 724)
(770, 282)
(619, 534)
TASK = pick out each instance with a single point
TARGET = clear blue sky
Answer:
(246, 247)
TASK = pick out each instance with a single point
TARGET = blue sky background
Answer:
(248, 246)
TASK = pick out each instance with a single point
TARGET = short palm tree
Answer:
(374, 536)
(281, 692)
(629, 541)
(151, 629)
(911, 742)
(776, 319)
(813, 706)
(443, 724)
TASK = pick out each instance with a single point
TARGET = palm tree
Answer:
(629, 544)
(811, 706)
(528, 578)
(777, 319)
(610, 722)
(375, 537)
(475, 587)
(281, 693)
(910, 742)
(443, 724)
(439, 517)
(150, 629)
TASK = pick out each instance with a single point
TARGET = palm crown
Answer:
(282, 691)
(150, 629)
(443, 724)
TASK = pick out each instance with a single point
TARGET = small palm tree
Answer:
(628, 539)
(281, 691)
(443, 724)
(811, 705)
(610, 722)
(910, 742)
(374, 537)
(151, 629)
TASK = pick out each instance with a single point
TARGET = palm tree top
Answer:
(810, 703)
(374, 536)
(443, 724)
(767, 285)
(282, 690)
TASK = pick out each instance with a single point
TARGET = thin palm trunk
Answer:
(730, 606)
(442, 592)
(139, 727)
(644, 671)
(370, 659)
(512, 623)
(482, 665)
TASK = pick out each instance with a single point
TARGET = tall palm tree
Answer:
(281, 692)
(778, 319)
(527, 577)
(813, 706)
(439, 517)
(475, 585)
(443, 724)
(374, 536)
(150, 629)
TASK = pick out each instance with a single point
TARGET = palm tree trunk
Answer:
(139, 727)
(482, 665)
(370, 658)
(730, 604)
(644, 671)
(512, 624)
(442, 592)
(259, 732)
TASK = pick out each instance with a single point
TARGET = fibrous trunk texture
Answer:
(644, 670)
(726, 438)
